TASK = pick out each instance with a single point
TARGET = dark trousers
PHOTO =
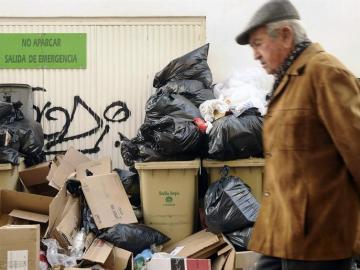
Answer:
(273, 263)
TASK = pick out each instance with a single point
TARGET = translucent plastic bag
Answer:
(252, 84)
(210, 108)
(55, 255)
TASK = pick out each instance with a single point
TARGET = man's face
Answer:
(270, 51)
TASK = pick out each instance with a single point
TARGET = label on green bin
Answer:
(169, 197)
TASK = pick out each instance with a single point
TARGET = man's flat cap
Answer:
(272, 11)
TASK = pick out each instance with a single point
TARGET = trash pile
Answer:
(96, 217)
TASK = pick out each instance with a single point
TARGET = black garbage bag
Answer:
(11, 112)
(193, 90)
(27, 137)
(73, 186)
(236, 137)
(130, 181)
(168, 104)
(171, 136)
(129, 149)
(229, 205)
(5, 109)
(182, 137)
(87, 219)
(240, 239)
(191, 66)
(133, 237)
(9, 155)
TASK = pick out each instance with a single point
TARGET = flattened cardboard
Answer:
(68, 164)
(35, 175)
(98, 252)
(119, 259)
(66, 230)
(230, 255)
(107, 200)
(198, 245)
(56, 209)
(29, 216)
(20, 244)
(230, 260)
(178, 264)
(97, 167)
(10, 200)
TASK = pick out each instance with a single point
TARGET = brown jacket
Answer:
(312, 171)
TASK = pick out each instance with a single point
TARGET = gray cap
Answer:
(272, 11)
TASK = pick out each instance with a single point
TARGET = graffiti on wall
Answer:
(115, 112)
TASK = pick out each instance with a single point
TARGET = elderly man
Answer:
(310, 208)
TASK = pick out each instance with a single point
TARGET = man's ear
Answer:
(287, 36)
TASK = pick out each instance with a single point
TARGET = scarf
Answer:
(279, 74)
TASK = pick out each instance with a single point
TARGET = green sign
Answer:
(48, 50)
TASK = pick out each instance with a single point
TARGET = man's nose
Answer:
(256, 55)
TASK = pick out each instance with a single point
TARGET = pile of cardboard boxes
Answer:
(29, 216)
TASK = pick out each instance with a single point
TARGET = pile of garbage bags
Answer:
(19, 136)
(169, 131)
(189, 117)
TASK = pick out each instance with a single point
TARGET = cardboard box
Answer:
(56, 210)
(111, 257)
(13, 200)
(119, 259)
(178, 264)
(246, 260)
(168, 192)
(200, 245)
(98, 252)
(67, 166)
(107, 200)
(35, 175)
(64, 218)
(9, 175)
(20, 247)
(34, 180)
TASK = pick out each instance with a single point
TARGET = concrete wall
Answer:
(335, 24)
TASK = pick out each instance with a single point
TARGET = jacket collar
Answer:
(298, 67)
